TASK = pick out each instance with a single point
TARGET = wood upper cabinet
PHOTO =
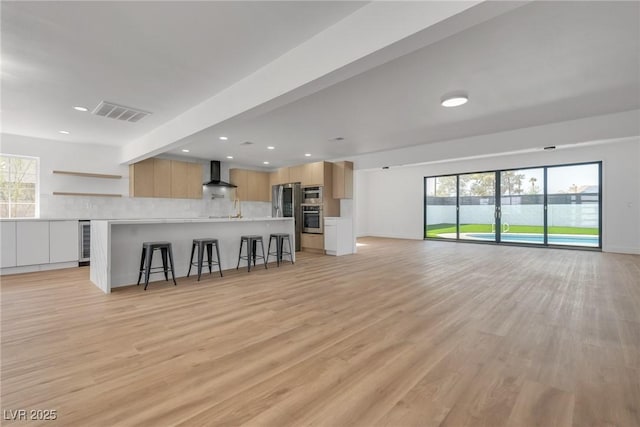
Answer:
(161, 178)
(179, 180)
(240, 178)
(343, 180)
(259, 188)
(314, 173)
(282, 176)
(252, 185)
(141, 179)
(194, 180)
(165, 178)
(297, 173)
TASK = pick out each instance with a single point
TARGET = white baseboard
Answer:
(621, 250)
(37, 267)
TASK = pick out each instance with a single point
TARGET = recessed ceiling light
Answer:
(307, 155)
(454, 99)
(223, 138)
(79, 108)
(184, 150)
(229, 157)
(271, 148)
(266, 163)
(64, 132)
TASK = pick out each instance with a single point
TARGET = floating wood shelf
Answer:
(89, 175)
(61, 193)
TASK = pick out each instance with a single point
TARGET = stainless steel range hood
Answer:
(215, 176)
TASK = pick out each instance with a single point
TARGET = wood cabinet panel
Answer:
(194, 180)
(252, 185)
(178, 180)
(297, 173)
(312, 241)
(259, 185)
(141, 179)
(161, 178)
(282, 176)
(240, 178)
(314, 174)
(343, 180)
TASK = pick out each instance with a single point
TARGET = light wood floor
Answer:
(403, 333)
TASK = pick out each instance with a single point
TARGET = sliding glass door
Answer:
(550, 205)
(574, 205)
(441, 213)
(478, 206)
(522, 206)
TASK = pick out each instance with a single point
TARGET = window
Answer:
(18, 186)
(551, 205)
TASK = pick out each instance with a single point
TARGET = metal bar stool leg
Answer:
(269, 247)
(200, 258)
(240, 254)
(147, 267)
(193, 248)
(218, 256)
(173, 274)
(209, 255)
(163, 251)
(142, 257)
(264, 258)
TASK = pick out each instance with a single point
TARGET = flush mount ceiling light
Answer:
(184, 150)
(64, 132)
(307, 155)
(454, 99)
(229, 157)
(223, 138)
(79, 108)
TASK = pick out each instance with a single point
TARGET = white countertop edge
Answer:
(147, 220)
(188, 220)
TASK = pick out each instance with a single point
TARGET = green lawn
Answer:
(436, 229)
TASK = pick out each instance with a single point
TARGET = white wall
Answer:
(56, 155)
(390, 202)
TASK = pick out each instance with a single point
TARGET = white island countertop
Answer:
(116, 244)
(189, 220)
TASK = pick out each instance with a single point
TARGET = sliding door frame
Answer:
(498, 208)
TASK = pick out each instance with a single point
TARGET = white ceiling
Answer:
(542, 62)
(162, 57)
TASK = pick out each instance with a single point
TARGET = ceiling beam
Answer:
(372, 35)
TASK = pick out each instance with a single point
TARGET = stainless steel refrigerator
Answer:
(285, 202)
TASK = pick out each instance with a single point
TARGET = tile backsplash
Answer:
(143, 207)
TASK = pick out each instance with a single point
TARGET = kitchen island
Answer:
(116, 245)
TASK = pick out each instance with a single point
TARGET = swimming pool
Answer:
(557, 239)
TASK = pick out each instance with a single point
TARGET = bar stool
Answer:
(252, 243)
(280, 238)
(148, 248)
(201, 244)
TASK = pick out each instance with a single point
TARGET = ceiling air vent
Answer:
(119, 112)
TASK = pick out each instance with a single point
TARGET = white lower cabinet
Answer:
(63, 241)
(32, 242)
(8, 235)
(338, 236)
